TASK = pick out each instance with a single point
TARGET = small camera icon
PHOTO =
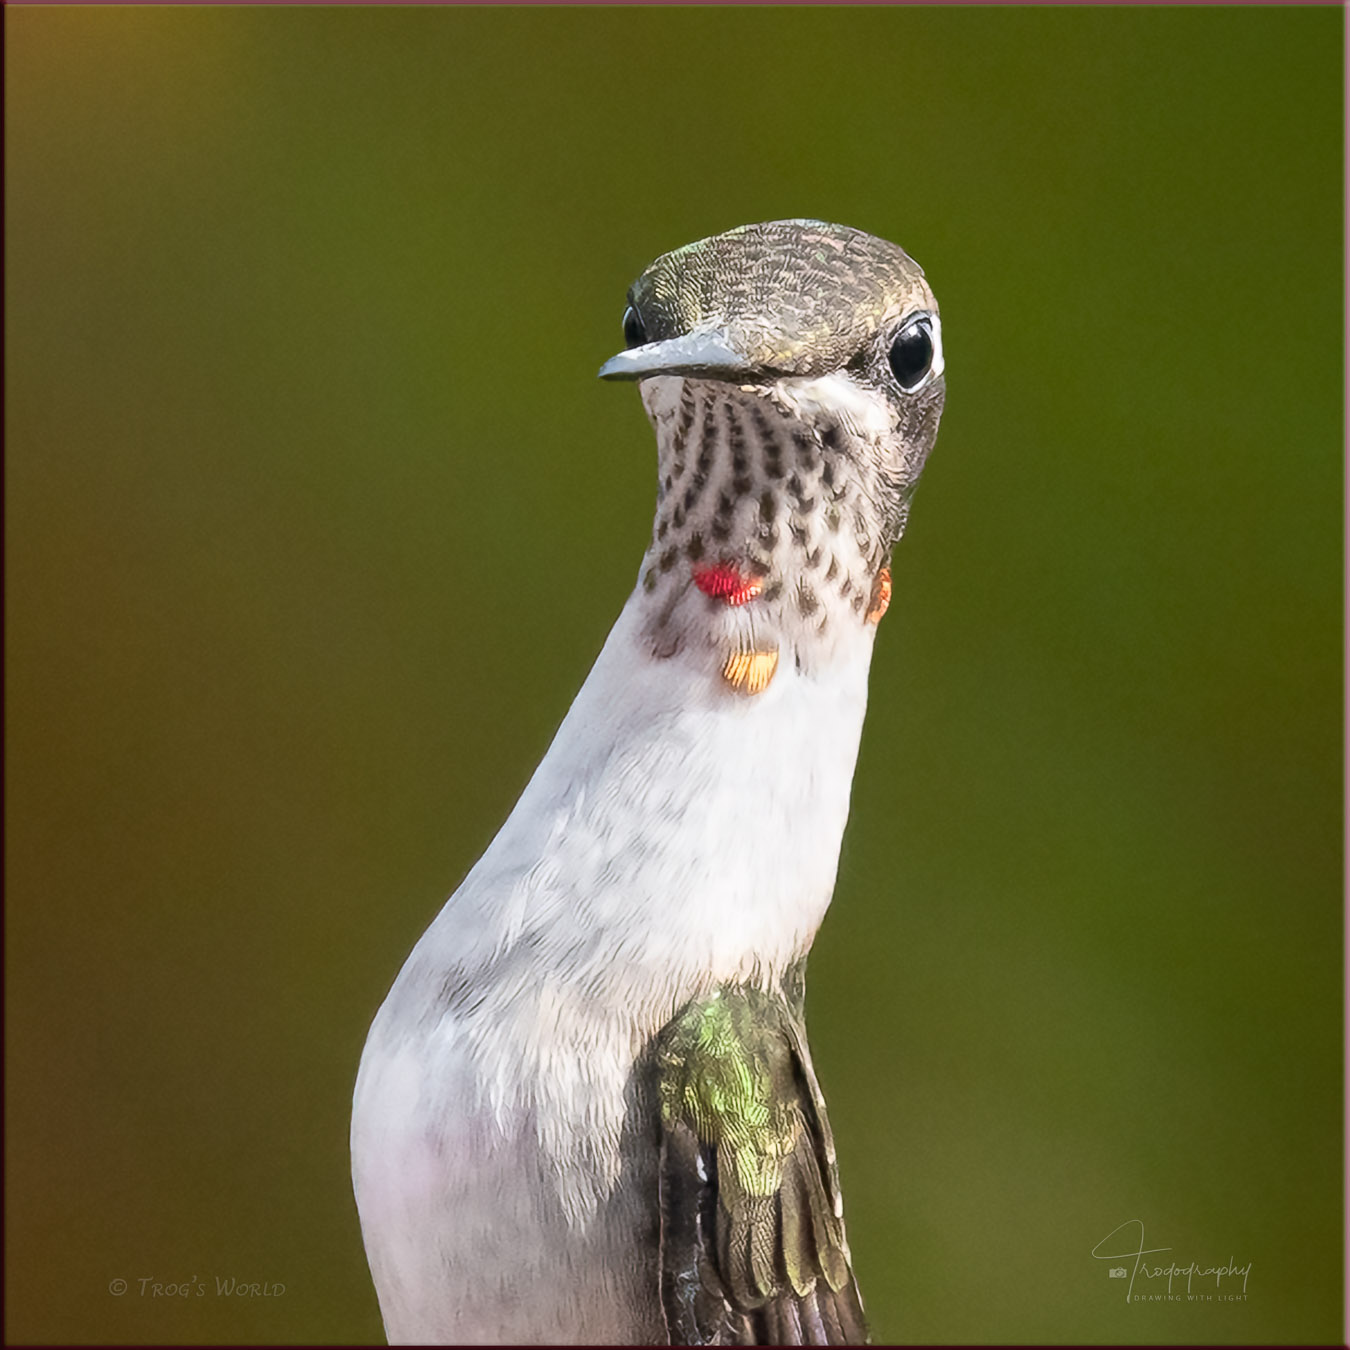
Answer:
(1117, 1272)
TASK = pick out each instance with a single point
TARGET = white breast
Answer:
(677, 835)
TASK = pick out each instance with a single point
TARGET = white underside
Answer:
(676, 836)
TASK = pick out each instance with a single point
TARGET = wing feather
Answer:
(753, 1250)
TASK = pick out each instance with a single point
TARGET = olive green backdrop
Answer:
(317, 516)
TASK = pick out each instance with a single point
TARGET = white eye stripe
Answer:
(866, 410)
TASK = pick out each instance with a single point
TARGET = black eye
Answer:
(634, 330)
(912, 353)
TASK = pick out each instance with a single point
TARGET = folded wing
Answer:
(753, 1250)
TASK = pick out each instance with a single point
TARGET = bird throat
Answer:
(773, 531)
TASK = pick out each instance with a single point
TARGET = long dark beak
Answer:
(707, 354)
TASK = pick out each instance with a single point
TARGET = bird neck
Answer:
(684, 828)
(678, 835)
(772, 534)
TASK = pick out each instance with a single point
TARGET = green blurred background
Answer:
(317, 516)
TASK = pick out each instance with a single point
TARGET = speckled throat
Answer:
(800, 505)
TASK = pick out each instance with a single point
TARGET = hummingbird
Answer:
(586, 1111)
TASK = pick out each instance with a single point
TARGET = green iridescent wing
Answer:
(752, 1231)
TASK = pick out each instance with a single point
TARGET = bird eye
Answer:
(634, 330)
(911, 355)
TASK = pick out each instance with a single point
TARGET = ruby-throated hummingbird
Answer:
(586, 1111)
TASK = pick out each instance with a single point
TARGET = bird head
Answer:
(793, 372)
